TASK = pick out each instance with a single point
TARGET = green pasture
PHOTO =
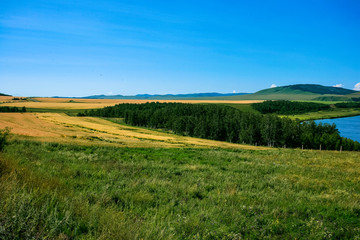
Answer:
(55, 191)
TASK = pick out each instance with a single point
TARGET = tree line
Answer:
(225, 123)
(12, 109)
(286, 107)
(348, 105)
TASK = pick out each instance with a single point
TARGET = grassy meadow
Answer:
(68, 177)
(60, 191)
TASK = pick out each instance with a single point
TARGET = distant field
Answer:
(291, 97)
(254, 96)
(5, 99)
(73, 104)
(57, 127)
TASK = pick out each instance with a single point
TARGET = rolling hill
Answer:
(306, 89)
(2, 94)
(299, 92)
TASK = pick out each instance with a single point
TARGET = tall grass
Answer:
(59, 191)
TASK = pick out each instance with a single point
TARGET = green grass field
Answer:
(68, 191)
(333, 113)
(55, 191)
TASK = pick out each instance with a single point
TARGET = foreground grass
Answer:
(49, 190)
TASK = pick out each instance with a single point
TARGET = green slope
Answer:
(306, 89)
(2, 94)
(297, 92)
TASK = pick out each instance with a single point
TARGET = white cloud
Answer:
(234, 91)
(339, 85)
(357, 86)
(273, 85)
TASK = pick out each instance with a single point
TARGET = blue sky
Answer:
(80, 48)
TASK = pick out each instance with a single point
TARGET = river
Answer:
(349, 127)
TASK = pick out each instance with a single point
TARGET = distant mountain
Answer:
(164, 97)
(298, 92)
(2, 94)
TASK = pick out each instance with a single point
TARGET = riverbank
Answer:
(348, 127)
(328, 114)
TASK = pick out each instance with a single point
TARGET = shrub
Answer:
(4, 133)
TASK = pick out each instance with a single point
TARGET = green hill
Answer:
(298, 92)
(306, 89)
(2, 94)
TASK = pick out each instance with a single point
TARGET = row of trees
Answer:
(288, 107)
(12, 109)
(229, 124)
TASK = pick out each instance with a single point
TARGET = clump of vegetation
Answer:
(4, 134)
(285, 107)
(348, 105)
(225, 123)
(19, 98)
(55, 191)
(12, 109)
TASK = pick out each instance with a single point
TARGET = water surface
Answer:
(349, 127)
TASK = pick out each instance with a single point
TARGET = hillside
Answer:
(306, 89)
(2, 94)
(297, 92)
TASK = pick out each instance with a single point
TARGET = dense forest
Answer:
(12, 109)
(229, 124)
(286, 107)
(348, 105)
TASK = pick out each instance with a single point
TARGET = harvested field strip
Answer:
(57, 127)
(66, 103)
(4, 99)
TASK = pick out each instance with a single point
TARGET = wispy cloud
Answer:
(357, 86)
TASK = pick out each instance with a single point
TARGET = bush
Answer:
(12, 109)
(4, 133)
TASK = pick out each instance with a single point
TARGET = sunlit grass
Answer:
(57, 127)
(333, 113)
(155, 193)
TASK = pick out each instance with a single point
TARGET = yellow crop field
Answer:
(5, 99)
(59, 127)
(73, 103)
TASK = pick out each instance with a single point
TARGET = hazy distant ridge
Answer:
(164, 97)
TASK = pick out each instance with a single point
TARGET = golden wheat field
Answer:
(74, 103)
(59, 127)
(4, 99)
